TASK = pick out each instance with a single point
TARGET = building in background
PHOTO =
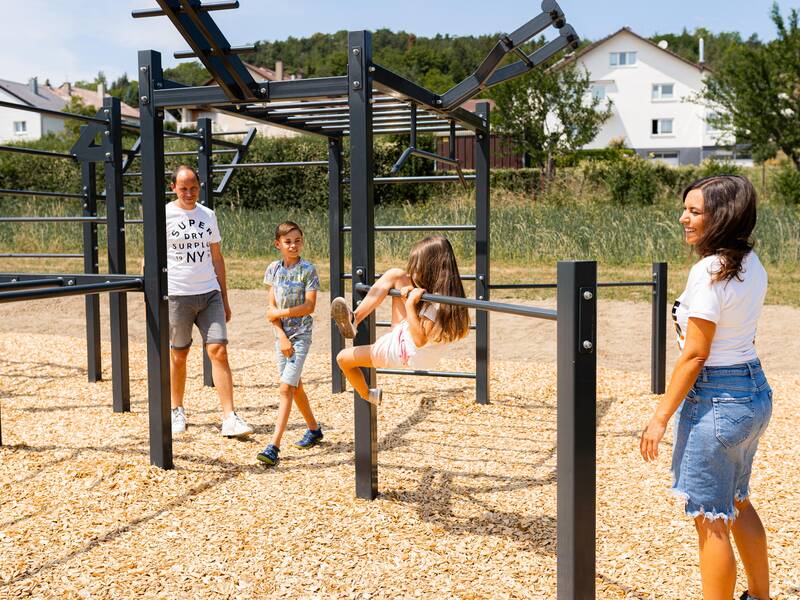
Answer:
(655, 101)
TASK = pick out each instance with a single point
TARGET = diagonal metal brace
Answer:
(551, 15)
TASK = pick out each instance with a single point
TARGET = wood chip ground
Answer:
(467, 504)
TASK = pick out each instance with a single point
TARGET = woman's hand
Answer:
(285, 344)
(651, 437)
(413, 297)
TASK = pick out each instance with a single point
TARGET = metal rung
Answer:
(35, 152)
(418, 228)
(534, 286)
(207, 7)
(8, 192)
(454, 374)
(377, 275)
(225, 51)
(626, 283)
(55, 113)
(298, 163)
(100, 220)
(420, 179)
(127, 285)
(40, 255)
(32, 283)
(389, 324)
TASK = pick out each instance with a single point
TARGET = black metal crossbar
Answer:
(52, 113)
(422, 179)
(36, 152)
(389, 324)
(418, 228)
(423, 373)
(205, 7)
(129, 285)
(32, 283)
(8, 192)
(39, 255)
(536, 286)
(484, 305)
(100, 220)
(296, 163)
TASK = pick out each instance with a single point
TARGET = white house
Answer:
(20, 125)
(652, 90)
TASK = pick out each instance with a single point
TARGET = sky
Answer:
(69, 40)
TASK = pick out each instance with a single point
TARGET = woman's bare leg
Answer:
(391, 279)
(751, 540)
(717, 562)
(350, 360)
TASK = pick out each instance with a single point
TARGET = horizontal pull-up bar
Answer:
(127, 285)
(423, 373)
(485, 305)
(6, 192)
(207, 7)
(101, 220)
(36, 152)
(389, 324)
(536, 286)
(297, 163)
(54, 113)
(31, 283)
(224, 51)
(420, 179)
(377, 275)
(40, 255)
(418, 228)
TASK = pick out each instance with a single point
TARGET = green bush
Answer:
(599, 154)
(631, 180)
(785, 185)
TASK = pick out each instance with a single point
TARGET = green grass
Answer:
(527, 240)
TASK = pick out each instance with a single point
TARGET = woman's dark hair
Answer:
(729, 216)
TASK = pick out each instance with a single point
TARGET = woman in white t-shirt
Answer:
(718, 388)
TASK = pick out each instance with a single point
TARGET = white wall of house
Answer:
(652, 85)
(22, 125)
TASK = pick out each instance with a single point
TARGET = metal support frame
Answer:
(362, 209)
(336, 252)
(239, 155)
(482, 255)
(205, 172)
(94, 367)
(155, 261)
(576, 444)
(658, 339)
(115, 232)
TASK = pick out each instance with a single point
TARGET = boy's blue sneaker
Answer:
(312, 437)
(269, 455)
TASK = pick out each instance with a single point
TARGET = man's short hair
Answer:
(285, 228)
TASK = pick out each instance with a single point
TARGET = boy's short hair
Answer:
(285, 228)
(180, 168)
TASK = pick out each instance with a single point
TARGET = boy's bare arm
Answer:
(301, 310)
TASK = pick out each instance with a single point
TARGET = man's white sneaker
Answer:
(178, 420)
(234, 426)
(375, 395)
(343, 317)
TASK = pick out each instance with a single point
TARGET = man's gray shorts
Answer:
(204, 310)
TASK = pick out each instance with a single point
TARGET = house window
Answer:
(20, 127)
(598, 91)
(663, 91)
(661, 127)
(669, 158)
(622, 59)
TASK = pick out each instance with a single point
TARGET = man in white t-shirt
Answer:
(198, 295)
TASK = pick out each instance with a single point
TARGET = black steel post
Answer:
(155, 259)
(576, 445)
(336, 251)
(658, 339)
(94, 366)
(205, 172)
(482, 280)
(115, 231)
(363, 243)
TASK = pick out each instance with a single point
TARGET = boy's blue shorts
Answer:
(290, 369)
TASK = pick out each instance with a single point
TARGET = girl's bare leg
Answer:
(350, 360)
(391, 279)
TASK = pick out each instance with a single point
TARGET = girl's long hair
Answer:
(729, 217)
(432, 265)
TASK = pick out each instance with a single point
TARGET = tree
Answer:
(77, 106)
(755, 92)
(549, 112)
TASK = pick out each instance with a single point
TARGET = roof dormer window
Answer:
(622, 59)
